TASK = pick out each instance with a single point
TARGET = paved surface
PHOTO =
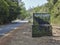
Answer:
(24, 37)
(7, 28)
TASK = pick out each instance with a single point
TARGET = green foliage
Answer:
(55, 13)
(41, 9)
(23, 12)
(9, 11)
(52, 7)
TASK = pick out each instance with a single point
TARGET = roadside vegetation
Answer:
(52, 7)
(11, 10)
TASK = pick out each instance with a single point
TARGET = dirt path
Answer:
(56, 32)
(24, 37)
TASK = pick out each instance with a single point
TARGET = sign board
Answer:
(44, 18)
(41, 24)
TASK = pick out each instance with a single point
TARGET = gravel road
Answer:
(24, 37)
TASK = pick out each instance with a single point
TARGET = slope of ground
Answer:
(24, 37)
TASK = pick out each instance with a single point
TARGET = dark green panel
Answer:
(41, 25)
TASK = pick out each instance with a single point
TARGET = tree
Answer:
(55, 12)
(23, 12)
(9, 10)
(3, 10)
